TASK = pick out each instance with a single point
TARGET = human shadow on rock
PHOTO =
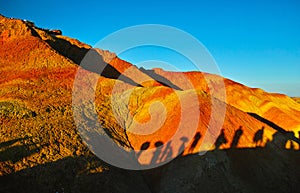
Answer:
(157, 153)
(221, 139)
(237, 135)
(143, 147)
(276, 127)
(266, 169)
(196, 140)
(258, 137)
(271, 168)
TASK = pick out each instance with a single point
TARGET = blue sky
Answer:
(253, 42)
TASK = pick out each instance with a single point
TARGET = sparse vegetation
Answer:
(14, 110)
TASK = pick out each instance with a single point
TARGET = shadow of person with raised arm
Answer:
(167, 153)
(221, 140)
(195, 142)
(258, 137)
(143, 147)
(156, 154)
(237, 135)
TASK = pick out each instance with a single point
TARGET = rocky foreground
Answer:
(41, 149)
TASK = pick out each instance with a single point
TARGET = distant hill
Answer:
(297, 99)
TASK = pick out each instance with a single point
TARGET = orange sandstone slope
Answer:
(297, 99)
(37, 75)
(277, 108)
(41, 149)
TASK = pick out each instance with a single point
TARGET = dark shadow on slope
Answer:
(68, 50)
(11, 142)
(258, 137)
(143, 147)
(15, 153)
(280, 140)
(88, 59)
(157, 153)
(74, 175)
(167, 153)
(266, 169)
(94, 62)
(274, 126)
(220, 140)
(237, 135)
(195, 141)
(164, 81)
(182, 147)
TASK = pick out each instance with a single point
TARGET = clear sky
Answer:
(254, 42)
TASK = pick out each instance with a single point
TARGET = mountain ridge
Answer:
(38, 132)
